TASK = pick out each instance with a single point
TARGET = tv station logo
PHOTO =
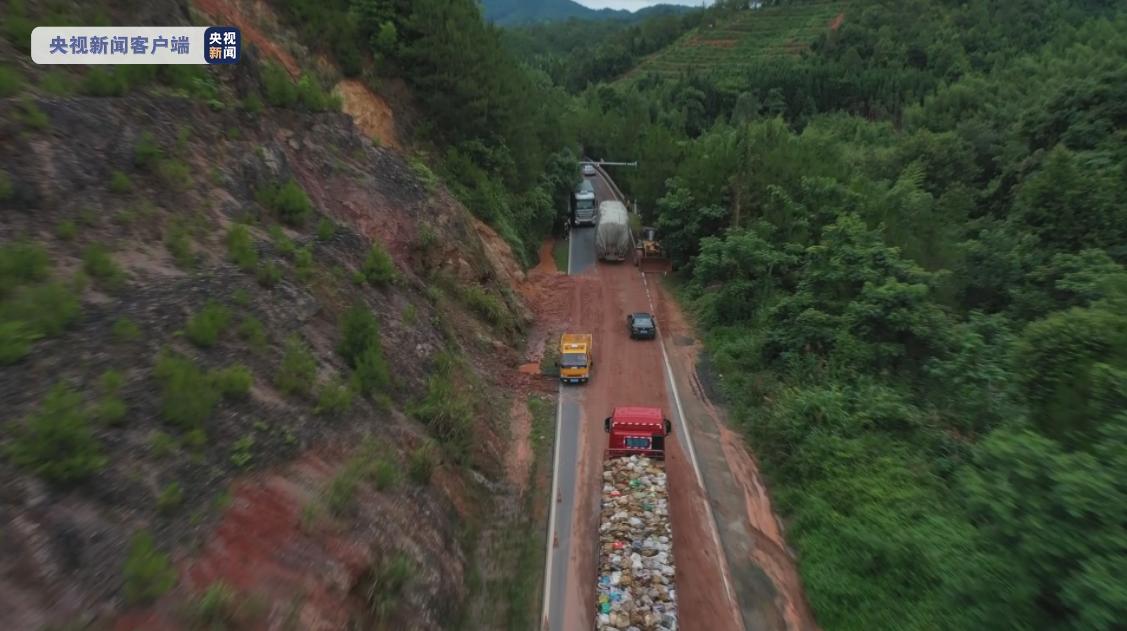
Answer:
(98, 45)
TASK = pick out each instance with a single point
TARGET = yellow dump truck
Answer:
(575, 358)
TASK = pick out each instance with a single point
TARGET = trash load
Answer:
(635, 588)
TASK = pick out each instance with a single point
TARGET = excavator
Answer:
(649, 256)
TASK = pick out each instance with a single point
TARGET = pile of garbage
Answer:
(636, 572)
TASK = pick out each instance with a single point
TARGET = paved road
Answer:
(581, 258)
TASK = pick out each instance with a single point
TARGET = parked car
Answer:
(642, 326)
(588, 169)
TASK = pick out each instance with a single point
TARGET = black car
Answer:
(642, 326)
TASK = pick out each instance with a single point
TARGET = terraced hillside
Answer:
(727, 48)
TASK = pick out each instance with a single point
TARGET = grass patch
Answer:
(120, 183)
(174, 174)
(242, 452)
(333, 398)
(58, 83)
(561, 253)
(33, 117)
(66, 230)
(45, 309)
(162, 445)
(284, 244)
(288, 201)
(179, 244)
(204, 328)
(361, 348)
(110, 409)
(421, 463)
(189, 394)
(22, 263)
(99, 264)
(253, 333)
(298, 369)
(6, 188)
(11, 81)
(303, 263)
(240, 247)
(221, 608)
(369, 464)
(147, 153)
(124, 330)
(148, 572)
(446, 409)
(170, 498)
(57, 443)
(424, 173)
(233, 381)
(326, 229)
(382, 587)
(378, 268)
(268, 274)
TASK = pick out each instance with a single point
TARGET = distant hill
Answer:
(518, 12)
(726, 47)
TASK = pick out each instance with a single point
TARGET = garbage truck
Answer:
(575, 359)
(612, 236)
(635, 587)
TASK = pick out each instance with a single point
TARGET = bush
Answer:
(446, 409)
(46, 309)
(187, 395)
(232, 381)
(162, 445)
(280, 89)
(385, 473)
(204, 328)
(313, 97)
(252, 104)
(326, 229)
(218, 608)
(110, 409)
(488, 307)
(303, 263)
(58, 82)
(284, 244)
(57, 443)
(179, 245)
(32, 116)
(288, 200)
(125, 331)
(242, 452)
(298, 369)
(16, 339)
(97, 262)
(361, 348)
(253, 333)
(268, 274)
(240, 247)
(333, 398)
(383, 588)
(11, 81)
(175, 174)
(148, 572)
(378, 268)
(421, 463)
(66, 230)
(423, 172)
(21, 263)
(170, 498)
(147, 153)
(120, 183)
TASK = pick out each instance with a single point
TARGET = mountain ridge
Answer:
(523, 12)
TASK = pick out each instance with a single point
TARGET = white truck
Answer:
(612, 236)
(584, 205)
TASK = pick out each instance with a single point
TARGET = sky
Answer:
(634, 5)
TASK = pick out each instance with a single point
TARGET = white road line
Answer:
(693, 457)
(552, 510)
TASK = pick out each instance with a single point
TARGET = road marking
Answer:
(552, 511)
(693, 458)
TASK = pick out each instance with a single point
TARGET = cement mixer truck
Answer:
(612, 235)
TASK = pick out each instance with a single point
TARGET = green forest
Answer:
(905, 245)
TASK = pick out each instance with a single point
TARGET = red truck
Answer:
(635, 586)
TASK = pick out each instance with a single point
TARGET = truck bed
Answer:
(636, 573)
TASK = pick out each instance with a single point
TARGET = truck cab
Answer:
(637, 431)
(575, 357)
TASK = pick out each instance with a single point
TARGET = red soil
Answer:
(232, 13)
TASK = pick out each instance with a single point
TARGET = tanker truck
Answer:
(612, 236)
(635, 587)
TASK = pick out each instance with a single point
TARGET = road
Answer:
(625, 372)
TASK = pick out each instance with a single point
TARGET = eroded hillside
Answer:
(249, 361)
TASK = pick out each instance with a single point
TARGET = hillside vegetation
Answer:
(520, 12)
(728, 47)
(905, 247)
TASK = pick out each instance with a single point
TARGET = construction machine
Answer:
(649, 255)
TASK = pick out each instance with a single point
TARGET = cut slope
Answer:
(727, 48)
